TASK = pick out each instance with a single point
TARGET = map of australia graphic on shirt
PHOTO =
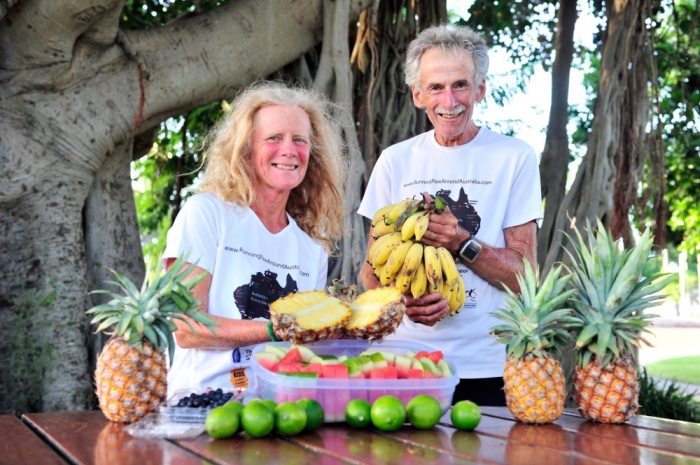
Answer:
(462, 209)
(253, 299)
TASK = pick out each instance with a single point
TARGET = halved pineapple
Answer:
(375, 313)
(309, 316)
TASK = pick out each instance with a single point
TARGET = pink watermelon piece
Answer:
(289, 367)
(267, 360)
(376, 373)
(415, 374)
(391, 373)
(293, 355)
(421, 354)
(435, 356)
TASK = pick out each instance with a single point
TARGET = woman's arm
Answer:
(232, 333)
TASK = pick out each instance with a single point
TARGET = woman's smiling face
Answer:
(280, 148)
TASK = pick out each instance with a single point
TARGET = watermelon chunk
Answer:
(431, 368)
(435, 356)
(289, 367)
(402, 364)
(304, 351)
(376, 373)
(421, 354)
(444, 368)
(267, 360)
(391, 373)
(334, 371)
(293, 355)
(378, 360)
(415, 374)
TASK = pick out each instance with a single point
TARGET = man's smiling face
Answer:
(448, 93)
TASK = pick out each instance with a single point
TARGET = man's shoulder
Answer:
(502, 140)
(415, 141)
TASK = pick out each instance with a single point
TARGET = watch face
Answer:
(470, 250)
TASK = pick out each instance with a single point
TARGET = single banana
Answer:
(381, 228)
(422, 223)
(419, 284)
(381, 214)
(409, 226)
(449, 267)
(445, 291)
(414, 257)
(382, 254)
(410, 210)
(432, 269)
(372, 252)
(457, 296)
(395, 261)
(378, 271)
(398, 210)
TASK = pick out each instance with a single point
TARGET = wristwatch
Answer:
(470, 250)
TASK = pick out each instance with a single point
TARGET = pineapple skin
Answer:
(130, 384)
(535, 388)
(608, 394)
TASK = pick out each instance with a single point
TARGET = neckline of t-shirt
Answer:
(434, 144)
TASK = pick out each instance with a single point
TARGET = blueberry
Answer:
(217, 396)
(220, 403)
(183, 402)
(227, 395)
(195, 403)
(219, 391)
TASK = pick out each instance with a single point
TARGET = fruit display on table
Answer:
(397, 256)
(130, 377)
(310, 316)
(535, 328)
(335, 372)
(610, 302)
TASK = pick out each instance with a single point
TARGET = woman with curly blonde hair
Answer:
(265, 218)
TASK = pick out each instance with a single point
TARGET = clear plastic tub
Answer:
(186, 414)
(334, 394)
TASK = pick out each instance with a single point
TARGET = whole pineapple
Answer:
(610, 302)
(131, 374)
(535, 328)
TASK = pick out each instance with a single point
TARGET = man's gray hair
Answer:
(449, 39)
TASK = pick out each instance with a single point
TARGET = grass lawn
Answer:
(682, 369)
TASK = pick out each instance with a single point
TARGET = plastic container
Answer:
(172, 413)
(162, 426)
(334, 394)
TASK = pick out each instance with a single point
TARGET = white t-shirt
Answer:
(250, 268)
(492, 183)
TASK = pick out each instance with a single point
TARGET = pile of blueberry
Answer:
(209, 399)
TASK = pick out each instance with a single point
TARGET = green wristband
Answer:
(271, 332)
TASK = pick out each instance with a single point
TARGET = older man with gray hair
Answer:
(492, 187)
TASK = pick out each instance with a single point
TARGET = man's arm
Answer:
(498, 266)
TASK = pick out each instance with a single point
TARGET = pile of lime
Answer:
(258, 418)
(388, 413)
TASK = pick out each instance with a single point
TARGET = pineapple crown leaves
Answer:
(535, 320)
(610, 297)
(148, 313)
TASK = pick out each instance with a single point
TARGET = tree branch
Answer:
(44, 33)
(180, 56)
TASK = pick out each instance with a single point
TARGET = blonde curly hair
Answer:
(317, 203)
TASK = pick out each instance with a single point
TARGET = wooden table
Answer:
(88, 438)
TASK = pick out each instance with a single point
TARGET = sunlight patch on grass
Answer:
(681, 369)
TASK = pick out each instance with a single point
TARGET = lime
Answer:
(314, 414)
(388, 413)
(257, 419)
(290, 418)
(271, 404)
(357, 413)
(465, 415)
(234, 406)
(423, 411)
(221, 423)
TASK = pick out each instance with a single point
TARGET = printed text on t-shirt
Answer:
(447, 181)
(266, 260)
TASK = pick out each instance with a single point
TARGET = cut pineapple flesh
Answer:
(368, 306)
(312, 310)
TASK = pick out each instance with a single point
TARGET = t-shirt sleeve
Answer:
(378, 192)
(195, 232)
(525, 201)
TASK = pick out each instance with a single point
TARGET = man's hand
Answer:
(428, 309)
(444, 230)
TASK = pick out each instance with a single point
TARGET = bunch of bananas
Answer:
(397, 255)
